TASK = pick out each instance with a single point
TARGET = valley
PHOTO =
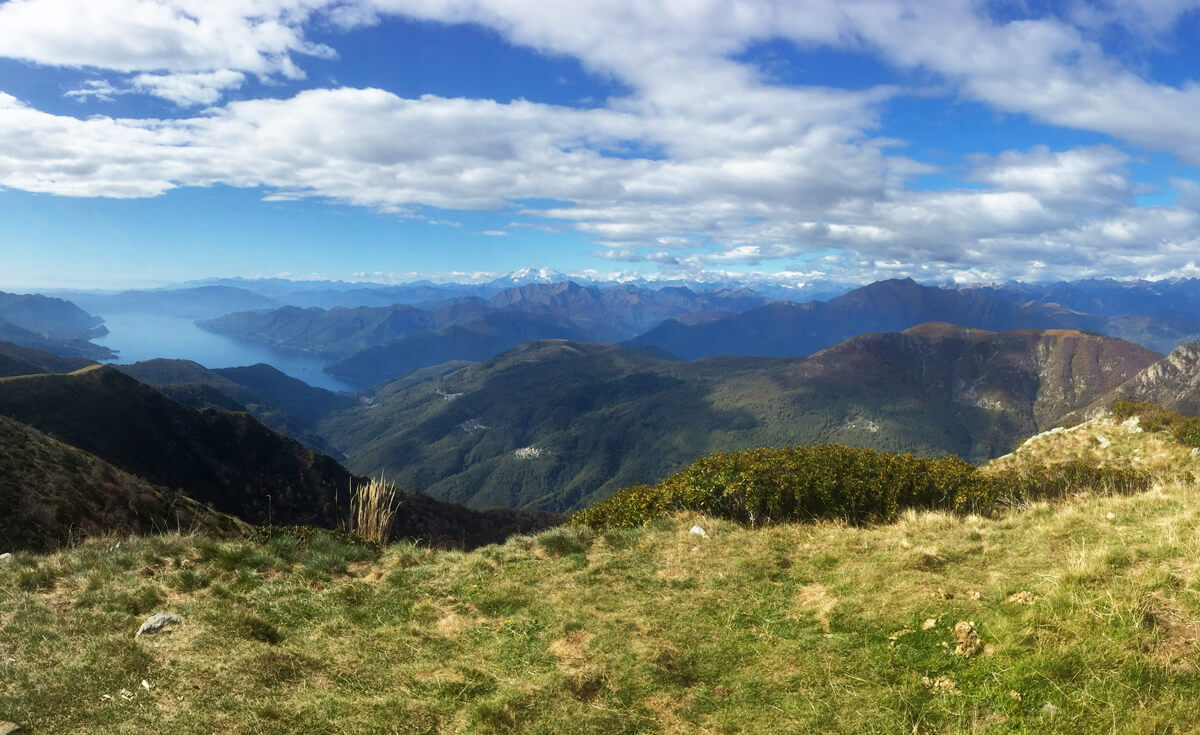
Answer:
(553, 395)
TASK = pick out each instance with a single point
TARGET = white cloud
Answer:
(747, 172)
(187, 51)
(187, 89)
(100, 89)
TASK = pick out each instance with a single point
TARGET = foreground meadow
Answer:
(1073, 616)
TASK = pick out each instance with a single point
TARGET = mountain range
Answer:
(558, 425)
(373, 344)
(290, 406)
(550, 396)
(1173, 382)
(197, 302)
(370, 345)
(1179, 296)
(329, 294)
(51, 324)
(787, 329)
(95, 450)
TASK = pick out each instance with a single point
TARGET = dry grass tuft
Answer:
(372, 508)
(817, 600)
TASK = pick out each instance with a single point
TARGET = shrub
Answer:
(846, 483)
(1153, 417)
(802, 483)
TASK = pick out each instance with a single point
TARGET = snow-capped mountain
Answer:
(526, 276)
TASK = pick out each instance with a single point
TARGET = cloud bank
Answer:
(744, 171)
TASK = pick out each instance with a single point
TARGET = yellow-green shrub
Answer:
(774, 485)
(1153, 417)
(846, 483)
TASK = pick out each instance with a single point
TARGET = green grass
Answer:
(789, 628)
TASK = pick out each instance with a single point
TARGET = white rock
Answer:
(157, 622)
(698, 531)
(6, 557)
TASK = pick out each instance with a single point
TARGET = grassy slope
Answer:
(227, 459)
(17, 360)
(283, 403)
(52, 493)
(796, 628)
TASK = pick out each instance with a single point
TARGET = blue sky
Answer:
(149, 141)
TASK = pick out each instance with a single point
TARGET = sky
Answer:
(145, 142)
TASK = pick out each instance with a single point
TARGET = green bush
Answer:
(1153, 417)
(847, 483)
(801, 483)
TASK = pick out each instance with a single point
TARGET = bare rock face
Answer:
(158, 622)
(1173, 382)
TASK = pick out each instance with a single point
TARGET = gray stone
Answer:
(697, 530)
(157, 622)
(9, 728)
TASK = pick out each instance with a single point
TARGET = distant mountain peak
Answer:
(532, 275)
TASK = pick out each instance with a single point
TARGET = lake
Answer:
(141, 336)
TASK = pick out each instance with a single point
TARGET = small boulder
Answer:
(697, 530)
(6, 556)
(157, 622)
(10, 728)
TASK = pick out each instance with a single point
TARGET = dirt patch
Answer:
(375, 576)
(571, 650)
(585, 677)
(1177, 634)
(452, 624)
(673, 574)
(925, 558)
(817, 600)
(665, 709)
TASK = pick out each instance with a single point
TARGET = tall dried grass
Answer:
(372, 508)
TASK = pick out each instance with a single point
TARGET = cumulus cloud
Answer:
(745, 173)
(187, 51)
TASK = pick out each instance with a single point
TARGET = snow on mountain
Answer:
(525, 276)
